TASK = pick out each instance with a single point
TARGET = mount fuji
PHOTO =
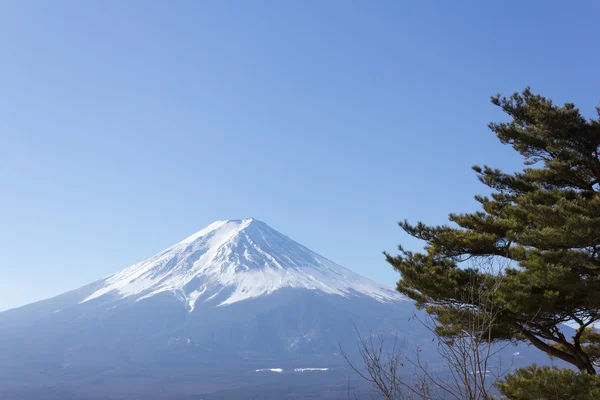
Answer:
(232, 261)
(236, 310)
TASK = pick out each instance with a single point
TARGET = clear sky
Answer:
(127, 126)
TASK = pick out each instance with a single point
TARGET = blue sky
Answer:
(126, 126)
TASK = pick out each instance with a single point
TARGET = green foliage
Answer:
(541, 383)
(543, 222)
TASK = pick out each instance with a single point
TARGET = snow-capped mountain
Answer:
(236, 310)
(199, 317)
(235, 260)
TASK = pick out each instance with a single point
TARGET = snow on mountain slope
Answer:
(234, 260)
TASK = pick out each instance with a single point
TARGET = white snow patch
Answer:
(178, 340)
(279, 370)
(193, 297)
(310, 369)
(481, 372)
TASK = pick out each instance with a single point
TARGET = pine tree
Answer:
(534, 383)
(544, 220)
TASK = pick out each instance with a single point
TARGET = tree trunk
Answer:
(577, 358)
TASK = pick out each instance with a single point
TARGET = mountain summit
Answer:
(234, 260)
